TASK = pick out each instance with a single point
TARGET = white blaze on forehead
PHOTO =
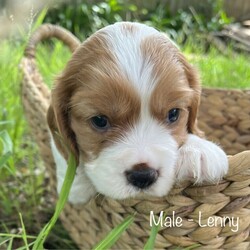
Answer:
(125, 45)
(125, 40)
(148, 134)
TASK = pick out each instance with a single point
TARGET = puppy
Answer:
(126, 107)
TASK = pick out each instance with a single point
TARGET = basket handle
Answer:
(46, 31)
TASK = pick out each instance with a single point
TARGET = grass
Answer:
(216, 70)
(56, 59)
(219, 71)
(63, 197)
(22, 178)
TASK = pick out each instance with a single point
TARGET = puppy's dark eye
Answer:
(100, 122)
(173, 115)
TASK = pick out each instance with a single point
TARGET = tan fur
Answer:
(116, 100)
(177, 86)
(55, 133)
(89, 87)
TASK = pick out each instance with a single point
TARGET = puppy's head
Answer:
(124, 105)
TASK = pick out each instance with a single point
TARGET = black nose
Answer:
(142, 177)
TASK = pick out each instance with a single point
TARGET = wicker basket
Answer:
(225, 118)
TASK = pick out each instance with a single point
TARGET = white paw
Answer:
(82, 189)
(201, 160)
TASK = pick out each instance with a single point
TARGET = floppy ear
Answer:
(59, 113)
(58, 116)
(194, 83)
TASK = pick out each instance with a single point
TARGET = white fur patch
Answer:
(125, 46)
(82, 189)
(201, 160)
(147, 142)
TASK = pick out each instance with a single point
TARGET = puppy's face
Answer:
(124, 105)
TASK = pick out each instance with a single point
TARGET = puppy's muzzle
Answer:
(142, 176)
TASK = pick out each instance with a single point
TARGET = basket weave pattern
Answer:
(224, 117)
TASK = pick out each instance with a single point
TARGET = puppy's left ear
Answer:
(60, 105)
(194, 83)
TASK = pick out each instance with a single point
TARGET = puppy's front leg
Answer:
(201, 160)
(82, 189)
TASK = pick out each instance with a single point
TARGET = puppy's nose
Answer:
(142, 176)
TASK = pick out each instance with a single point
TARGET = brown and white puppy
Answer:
(126, 106)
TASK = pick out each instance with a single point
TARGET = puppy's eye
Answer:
(100, 122)
(173, 115)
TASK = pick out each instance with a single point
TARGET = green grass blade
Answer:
(6, 141)
(10, 244)
(7, 147)
(4, 158)
(24, 235)
(114, 235)
(16, 236)
(151, 241)
(24, 247)
(6, 122)
(70, 174)
(4, 240)
(40, 19)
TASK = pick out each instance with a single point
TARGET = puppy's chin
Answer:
(107, 171)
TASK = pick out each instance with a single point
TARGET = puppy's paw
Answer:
(201, 160)
(81, 190)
